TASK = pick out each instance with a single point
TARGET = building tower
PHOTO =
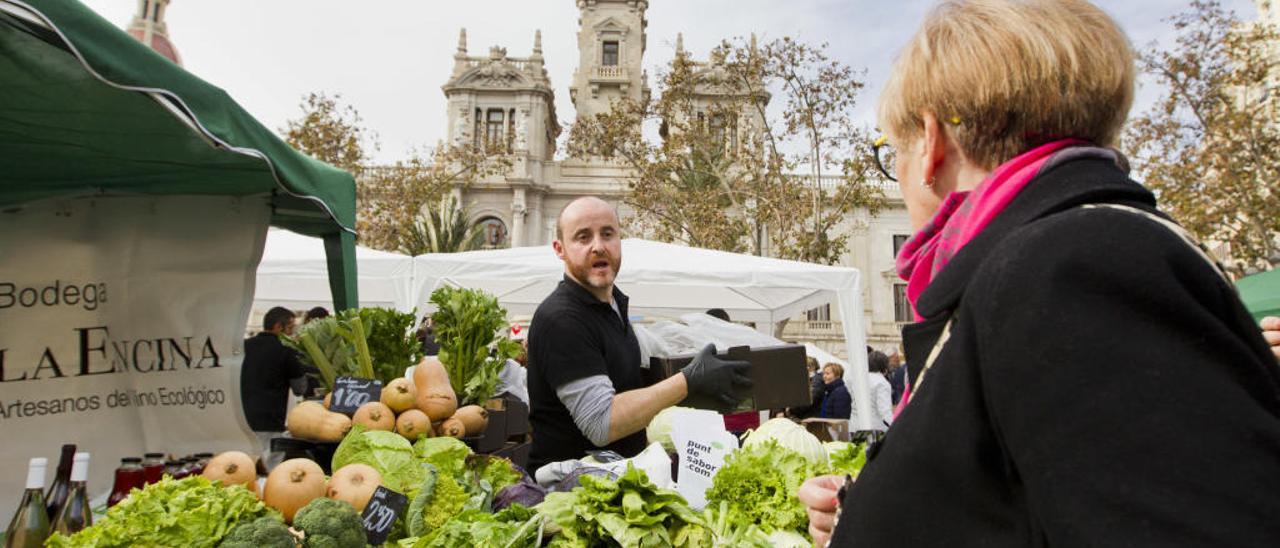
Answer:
(611, 44)
(504, 104)
(149, 28)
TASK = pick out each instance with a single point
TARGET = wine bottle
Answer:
(56, 496)
(76, 514)
(30, 526)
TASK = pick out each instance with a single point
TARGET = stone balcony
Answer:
(611, 73)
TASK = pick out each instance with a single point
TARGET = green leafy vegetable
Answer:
(187, 512)
(759, 485)
(443, 502)
(467, 322)
(790, 435)
(387, 452)
(846, 458)
(629, 512)
(516, 529)
(449, 455)
(392, 344)
(496, 471)
(370, 343)
(320, 344)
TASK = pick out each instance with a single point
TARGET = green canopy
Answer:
(86, 110)
(1261, 293)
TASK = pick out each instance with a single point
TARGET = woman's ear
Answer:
(933, 147)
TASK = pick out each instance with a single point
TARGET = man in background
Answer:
(269, 372)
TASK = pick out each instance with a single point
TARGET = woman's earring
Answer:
(927, 183)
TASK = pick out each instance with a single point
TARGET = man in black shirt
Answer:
(585, 387)
(269, 371)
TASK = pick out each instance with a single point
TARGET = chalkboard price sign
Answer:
(349, 393)
(380, 514)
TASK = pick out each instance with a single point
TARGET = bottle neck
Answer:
(35, 473)
(64, 463)
(80, 471)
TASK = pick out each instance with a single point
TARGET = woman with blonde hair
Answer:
(1081, 372)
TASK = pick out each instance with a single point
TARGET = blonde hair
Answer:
(1004, 76)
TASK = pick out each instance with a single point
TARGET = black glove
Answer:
(719, 380)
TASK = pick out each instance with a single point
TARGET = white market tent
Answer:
(662, 280)
(667, 280)
(294, 274)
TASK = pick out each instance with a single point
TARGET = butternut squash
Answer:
(375, 416)
(292, 484)
(453, 427)
(412, 424)
(435, 396)
(474, 419)
(400, 395)
(309, 420)
(355, 484)
(232, 468)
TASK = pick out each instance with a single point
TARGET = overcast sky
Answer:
(388, 58)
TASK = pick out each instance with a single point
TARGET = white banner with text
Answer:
(121, 329)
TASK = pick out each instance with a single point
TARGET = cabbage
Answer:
(790, 435)
(659, 430)
(834, 447)
(526, 493)
(447, 454)
(387, 452)
(788, 539)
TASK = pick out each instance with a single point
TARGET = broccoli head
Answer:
(264, 532)
(330, 523)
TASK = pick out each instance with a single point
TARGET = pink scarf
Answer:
(961, 217)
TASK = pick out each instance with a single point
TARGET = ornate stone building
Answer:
(509, 102)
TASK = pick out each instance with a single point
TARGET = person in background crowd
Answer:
(586, 390)
(513, 379)
(427, 337)
(817, 389)
(1081, 373)
(897, 376)
(836, 401)
(719, 313)
(269, 371)
(881, 393)
(315, 313)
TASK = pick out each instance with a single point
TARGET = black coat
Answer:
(837, 403)
(1102, 385)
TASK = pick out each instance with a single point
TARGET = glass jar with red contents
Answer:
(202, 459)
(153, 466)
(173, 469)
(129, 475)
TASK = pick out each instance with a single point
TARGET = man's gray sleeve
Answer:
(589, 401)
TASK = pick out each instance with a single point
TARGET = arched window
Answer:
(494, 233)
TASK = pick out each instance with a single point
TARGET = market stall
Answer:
(134, 202)
(668, 280)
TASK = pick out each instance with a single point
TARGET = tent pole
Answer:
(340, 254)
